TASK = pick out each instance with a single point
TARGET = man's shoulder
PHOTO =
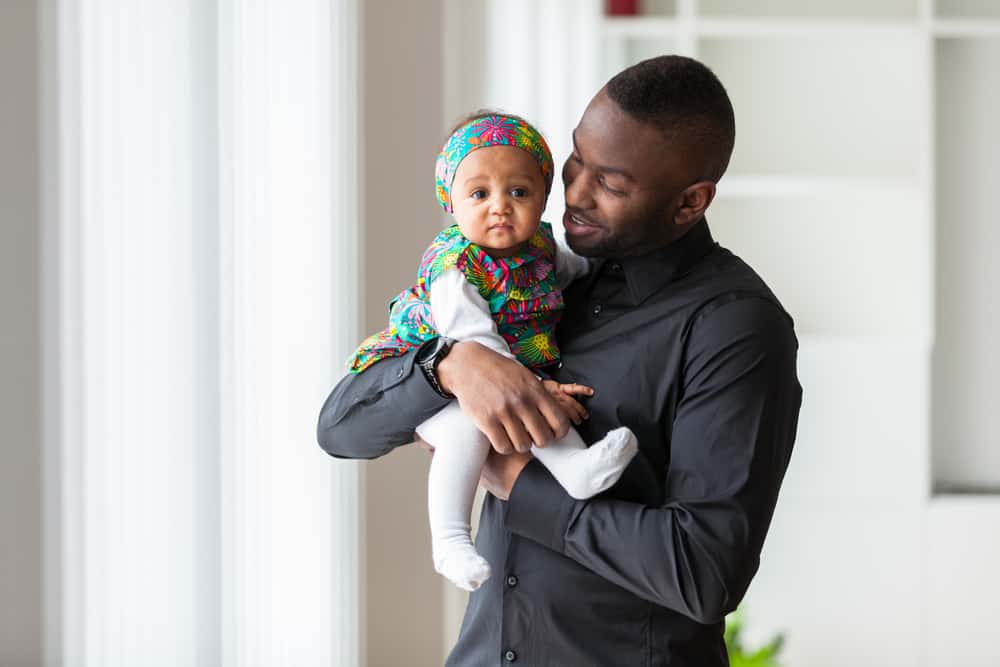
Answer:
(724, 277)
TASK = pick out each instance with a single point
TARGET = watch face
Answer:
(431, 351)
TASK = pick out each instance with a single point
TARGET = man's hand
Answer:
(564, 393)
(500, 472)
(502, 397)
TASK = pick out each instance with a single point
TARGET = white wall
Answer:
(20, 439)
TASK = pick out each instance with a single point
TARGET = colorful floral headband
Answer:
(482, 132)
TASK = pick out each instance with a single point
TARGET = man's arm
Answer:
(371, 413)
(731, 442)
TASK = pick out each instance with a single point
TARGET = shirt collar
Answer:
(649, 273)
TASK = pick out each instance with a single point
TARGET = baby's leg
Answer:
(459, 453)
(583, 471)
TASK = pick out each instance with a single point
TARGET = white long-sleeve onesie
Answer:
(460, 312)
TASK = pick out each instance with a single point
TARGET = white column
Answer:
(200, 296)
(287, 271)
(134, 439)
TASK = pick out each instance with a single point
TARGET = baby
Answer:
(495, 278)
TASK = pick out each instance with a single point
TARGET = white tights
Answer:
(459, 453)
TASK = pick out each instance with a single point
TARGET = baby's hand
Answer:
(563, 395)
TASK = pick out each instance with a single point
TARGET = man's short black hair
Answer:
(685, 99)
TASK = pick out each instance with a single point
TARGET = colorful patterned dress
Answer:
(521, 292)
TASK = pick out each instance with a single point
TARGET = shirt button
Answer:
(596, 310)
(510, 656)
(512, 581)
(616, 267)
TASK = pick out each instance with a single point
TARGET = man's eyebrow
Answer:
(603, 168)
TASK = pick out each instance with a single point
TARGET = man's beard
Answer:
(636, 238)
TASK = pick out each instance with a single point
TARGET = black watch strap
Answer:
(428, 359)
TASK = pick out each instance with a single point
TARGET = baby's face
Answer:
(498, 196)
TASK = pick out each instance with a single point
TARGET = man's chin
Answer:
(586, 247)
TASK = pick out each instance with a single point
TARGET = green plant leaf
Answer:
(741, 656)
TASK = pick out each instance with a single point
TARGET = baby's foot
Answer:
(462, 565)
(603, 463)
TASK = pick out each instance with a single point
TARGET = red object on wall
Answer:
(623, 7)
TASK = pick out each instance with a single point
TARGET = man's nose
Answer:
(579, 192)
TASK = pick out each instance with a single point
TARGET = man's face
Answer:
(624, 183)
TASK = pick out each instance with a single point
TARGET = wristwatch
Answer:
(429, 356)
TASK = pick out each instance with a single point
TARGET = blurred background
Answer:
(206, 203)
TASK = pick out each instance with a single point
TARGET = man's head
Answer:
(647, 154)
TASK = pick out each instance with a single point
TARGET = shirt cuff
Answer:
(538, 508)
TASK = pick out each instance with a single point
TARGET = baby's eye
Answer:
(519, 192)
(478, 194)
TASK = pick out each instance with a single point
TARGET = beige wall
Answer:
(402, 117)
(20, 439)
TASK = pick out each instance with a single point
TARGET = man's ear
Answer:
(694, 201)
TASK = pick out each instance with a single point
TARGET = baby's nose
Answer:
(500, 203)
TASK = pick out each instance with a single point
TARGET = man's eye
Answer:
(519, 192)
(478, 194)
(604, 184)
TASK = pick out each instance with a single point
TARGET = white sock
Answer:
(459, 453)
(457, 560)
(586, 471)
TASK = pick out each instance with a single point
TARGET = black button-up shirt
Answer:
(689, 348)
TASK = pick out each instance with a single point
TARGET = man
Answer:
(682, 342)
